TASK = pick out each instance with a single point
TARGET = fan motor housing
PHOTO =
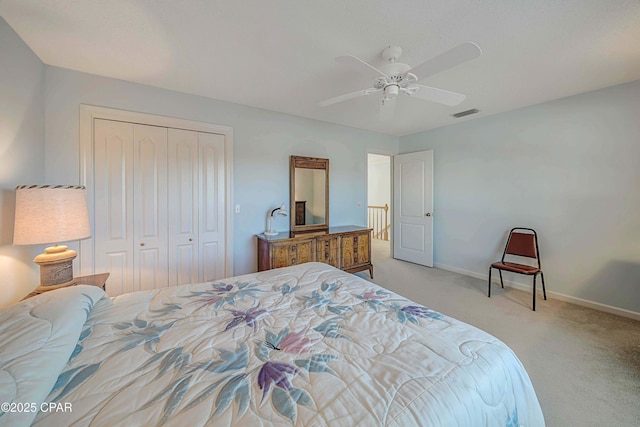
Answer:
(395, 69)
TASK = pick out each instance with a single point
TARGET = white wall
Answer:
(263, 142)
(21, 155)
(569, 168)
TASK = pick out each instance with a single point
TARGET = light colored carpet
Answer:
(584, 364)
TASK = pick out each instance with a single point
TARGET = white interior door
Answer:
(212, 206)
(150, 207)
(413, 207)
(130, 223)
(183, 207)
(113, 219)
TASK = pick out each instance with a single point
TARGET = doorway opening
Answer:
(379, 197)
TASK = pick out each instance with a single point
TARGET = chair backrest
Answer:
(522, 244)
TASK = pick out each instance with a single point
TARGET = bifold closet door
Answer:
(196, 207)
(159, 205)
(150, 207)
(211, 206)
(113, 195)
(183, 207)
(130, 167)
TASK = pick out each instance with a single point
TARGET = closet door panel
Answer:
(211, 206)
(120, 267)
(211, 269)
(113, 220)
(150, 207)
(182, 263)
(183, 207)
(150, 272)
(159, 197)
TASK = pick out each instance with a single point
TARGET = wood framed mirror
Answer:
(309, 194)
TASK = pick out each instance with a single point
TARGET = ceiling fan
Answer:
(395, 77)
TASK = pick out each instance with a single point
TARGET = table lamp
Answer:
(274, 212)
(51, 214)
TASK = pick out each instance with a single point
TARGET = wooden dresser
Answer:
(347, 248)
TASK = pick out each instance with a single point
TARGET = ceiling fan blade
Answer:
(387, 109)
(360, 66)
(347, 96)
(449, 59)
(433, 94)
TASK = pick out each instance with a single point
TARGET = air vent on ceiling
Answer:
(465, 113)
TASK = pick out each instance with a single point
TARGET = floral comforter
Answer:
(305, 345)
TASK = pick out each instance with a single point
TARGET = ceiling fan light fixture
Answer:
(391, 92)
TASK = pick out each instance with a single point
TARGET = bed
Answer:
(307, 345)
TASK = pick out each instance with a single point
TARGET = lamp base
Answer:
(56, 267)
(270, 231)
(45, 288)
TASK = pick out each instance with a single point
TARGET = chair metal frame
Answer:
(534, 274)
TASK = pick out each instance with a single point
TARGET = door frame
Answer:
(86, 259)
(366, 214)
(393, 195)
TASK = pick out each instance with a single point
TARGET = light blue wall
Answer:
(21, 154)
(568, 168)
(263, 142)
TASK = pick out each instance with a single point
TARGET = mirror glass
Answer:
(309, 197)
(309, 194)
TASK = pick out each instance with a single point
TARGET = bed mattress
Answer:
(307, 345)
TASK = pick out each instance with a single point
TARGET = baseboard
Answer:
(550, 294)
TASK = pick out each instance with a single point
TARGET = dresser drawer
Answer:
(286, 254)
(355, 250)
(327, 250)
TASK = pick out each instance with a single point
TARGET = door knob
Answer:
(427, 214)
(141, 244)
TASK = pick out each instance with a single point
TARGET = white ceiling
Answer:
(279, 54)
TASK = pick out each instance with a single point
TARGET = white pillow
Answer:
(37, 338)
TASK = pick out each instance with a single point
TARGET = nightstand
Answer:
(99, 280)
